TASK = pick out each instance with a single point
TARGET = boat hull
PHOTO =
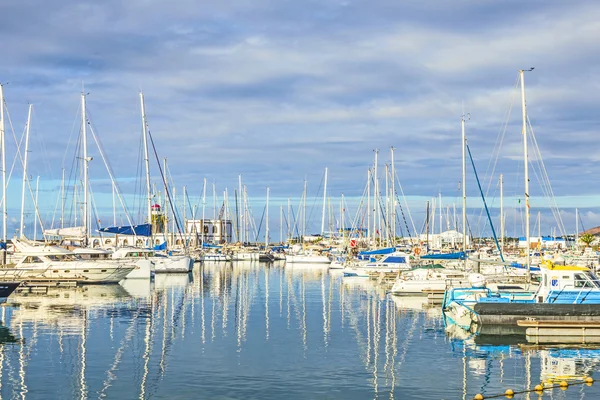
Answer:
(181, 264)
(144, 269)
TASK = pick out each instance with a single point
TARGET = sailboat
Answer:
(303, 254)
(162, 262)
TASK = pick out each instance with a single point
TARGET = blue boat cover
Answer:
(139, 230)
(210, 246)
(387, 250)
(448, 256)
(162, 246)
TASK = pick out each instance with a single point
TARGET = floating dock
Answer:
(560, 331)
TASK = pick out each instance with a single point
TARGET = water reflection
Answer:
(246, 329)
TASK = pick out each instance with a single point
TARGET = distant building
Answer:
(545, 242)
(215, 231)
(451, 238)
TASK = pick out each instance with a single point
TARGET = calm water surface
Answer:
(250, 331)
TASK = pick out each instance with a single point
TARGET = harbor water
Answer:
(258, 331)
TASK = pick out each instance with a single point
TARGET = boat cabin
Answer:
(566, 278)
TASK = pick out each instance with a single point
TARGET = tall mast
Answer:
(281, 223)
(22, 226)
(203, 212)
(183, 202)
(375, 196)
(369, 207)
(240, 227)
(464, 190)
(526, 171)
(267, 220)
(37, 186)
(165, 204)
(393, 199)
(146, 159)
(441, 218)
(324, 204)
(304, 213)
(387, 205)
(62, 202)
(114, 204)
(501, 213)
(85, 169)
(214, 201)
(576, 227)
(3, 145)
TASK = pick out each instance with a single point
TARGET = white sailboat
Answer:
(163, 263)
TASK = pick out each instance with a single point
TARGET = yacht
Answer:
(50, 262)
(393, 262)
(427, 278)
(144, 267)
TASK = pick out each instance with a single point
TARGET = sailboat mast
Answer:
(63, 199)
(22, 226)
(501, 213)
(369, 207)
(85, 169)
(464, 190)
(146, 158)
(576, 226)
(203, 212)
(241, 219)
(393, 199)
(526, 172)
(267, 220)
(324, 205)
(37, 187)
(3, 145)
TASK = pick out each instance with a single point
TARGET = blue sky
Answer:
(279, 90)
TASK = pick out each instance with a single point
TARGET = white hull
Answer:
(175, 264)
(215, 258)
(363, 272)
(245, 257)
(417, 287)
(301, 259)
(144, 269)
(81, 272)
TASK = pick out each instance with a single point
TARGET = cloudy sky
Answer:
(279, 90)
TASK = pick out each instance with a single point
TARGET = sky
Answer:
(280, 90)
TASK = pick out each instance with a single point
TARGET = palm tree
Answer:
(587, 239)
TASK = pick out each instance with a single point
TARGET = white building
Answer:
(215, 231)
(544, 242)
(449, 238)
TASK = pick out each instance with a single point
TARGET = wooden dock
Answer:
(557, 331)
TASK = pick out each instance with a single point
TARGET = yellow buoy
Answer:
(478, 396)
(509, 392)
(563, 384)
(589, 379)
(538, 388)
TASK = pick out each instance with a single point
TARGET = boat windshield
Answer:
(586, 280)
(61, 257)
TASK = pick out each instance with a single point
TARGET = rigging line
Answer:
(484, 203)
(546, 185)
(317, 197)
(110, 174)
(405, 202)
(40, 139)
(167, 191)
(498, 144)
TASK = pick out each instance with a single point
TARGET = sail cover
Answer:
(138, 230)
(71, 232)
